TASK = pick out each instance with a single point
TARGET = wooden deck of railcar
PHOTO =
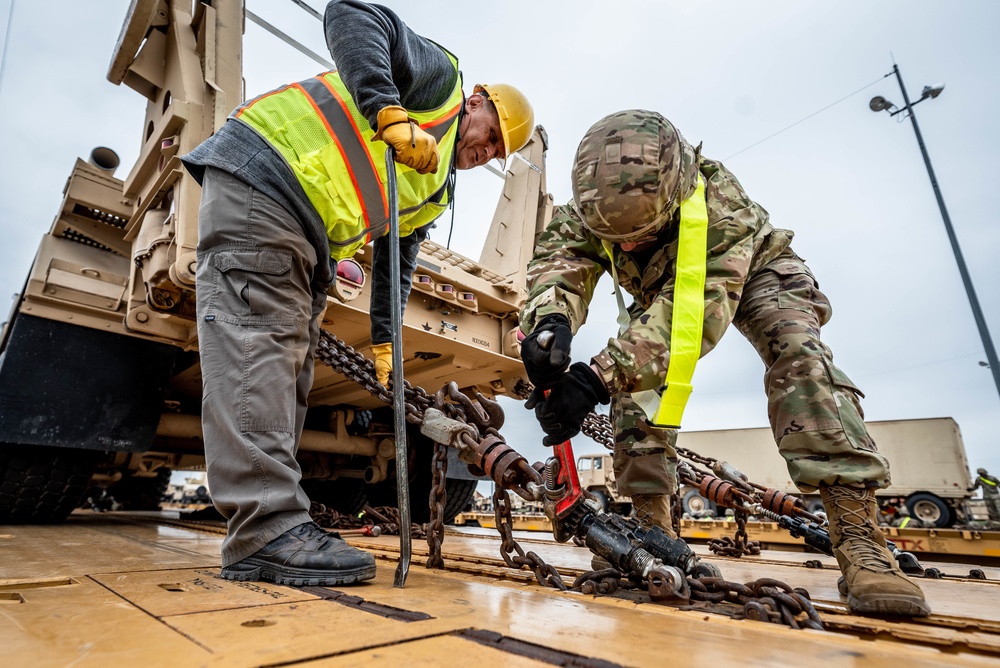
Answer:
(128, 589)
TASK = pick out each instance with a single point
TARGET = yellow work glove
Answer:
(383, 362)
(413, 146)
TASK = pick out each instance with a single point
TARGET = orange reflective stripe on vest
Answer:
(332, 108)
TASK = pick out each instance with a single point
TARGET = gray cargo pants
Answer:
(258, 325)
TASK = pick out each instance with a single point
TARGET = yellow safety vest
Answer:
(324, 138)
(665, 408)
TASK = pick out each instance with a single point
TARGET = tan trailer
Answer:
(930, 471)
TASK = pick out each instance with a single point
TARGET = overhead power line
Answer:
(6, 43)
(314, 13)
(288, 39)
(832, 104)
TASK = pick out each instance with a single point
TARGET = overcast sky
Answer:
(849, 182)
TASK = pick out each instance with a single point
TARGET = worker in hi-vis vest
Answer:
(292, 183)
(678, 233)
(991, 493)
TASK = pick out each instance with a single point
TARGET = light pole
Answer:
(879, 103)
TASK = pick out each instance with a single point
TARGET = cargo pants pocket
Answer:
(847, 397)
(252, 288)
(797, 289)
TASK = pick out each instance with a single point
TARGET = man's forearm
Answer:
(382, 62)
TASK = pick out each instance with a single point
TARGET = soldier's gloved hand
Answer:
(413, 146)
(383, 361)
(546, 365)
(576, 394)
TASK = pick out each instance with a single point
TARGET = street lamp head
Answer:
(879, 103)
(932, 91)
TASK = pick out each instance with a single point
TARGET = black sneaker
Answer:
(305, 555)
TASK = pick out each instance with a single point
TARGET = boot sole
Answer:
(887, 604)
(296, 577)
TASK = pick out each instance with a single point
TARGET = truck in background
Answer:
(930, 471)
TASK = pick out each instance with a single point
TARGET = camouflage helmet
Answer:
(630, 173)
(981, 471)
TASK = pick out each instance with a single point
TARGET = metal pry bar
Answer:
(398, 397)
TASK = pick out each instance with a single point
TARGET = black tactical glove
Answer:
(577, 393)
(546, 365)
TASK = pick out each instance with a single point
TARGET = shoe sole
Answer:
(883, 604)
(299, 577)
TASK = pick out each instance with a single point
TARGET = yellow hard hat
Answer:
(517, 119)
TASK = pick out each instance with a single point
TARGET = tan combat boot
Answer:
(873, 581)
(654, 510)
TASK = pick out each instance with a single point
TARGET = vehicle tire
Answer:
(42, 484)
(141, 493)
(345, 495)
(460, 494)
(694, 503)
(602, 498)
(930, 509)
(359, 425)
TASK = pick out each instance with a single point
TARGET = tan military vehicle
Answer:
(99, 377)
(597, 476)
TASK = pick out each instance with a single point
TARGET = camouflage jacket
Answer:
(569, 260)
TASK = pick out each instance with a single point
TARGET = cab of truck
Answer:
(597, 476)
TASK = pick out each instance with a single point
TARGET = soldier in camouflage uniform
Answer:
(632, 171)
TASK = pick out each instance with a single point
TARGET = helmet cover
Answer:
(630, 173)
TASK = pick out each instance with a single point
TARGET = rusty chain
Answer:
(512, 552)
(764, 600)
(386, 518)
(438, 496)
(739, 544)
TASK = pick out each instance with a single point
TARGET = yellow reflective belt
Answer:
(688, 314)
(689, 309)
(906, 520)
(988, 482)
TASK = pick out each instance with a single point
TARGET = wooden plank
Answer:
(82, 624)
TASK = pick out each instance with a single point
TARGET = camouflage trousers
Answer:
(813, 407)
(992, 506)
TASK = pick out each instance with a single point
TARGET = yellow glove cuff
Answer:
(383, 361)
(391, 115)
(382, 349)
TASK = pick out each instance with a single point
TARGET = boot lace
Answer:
(857, 528)
(643, 510)
(314, 534)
